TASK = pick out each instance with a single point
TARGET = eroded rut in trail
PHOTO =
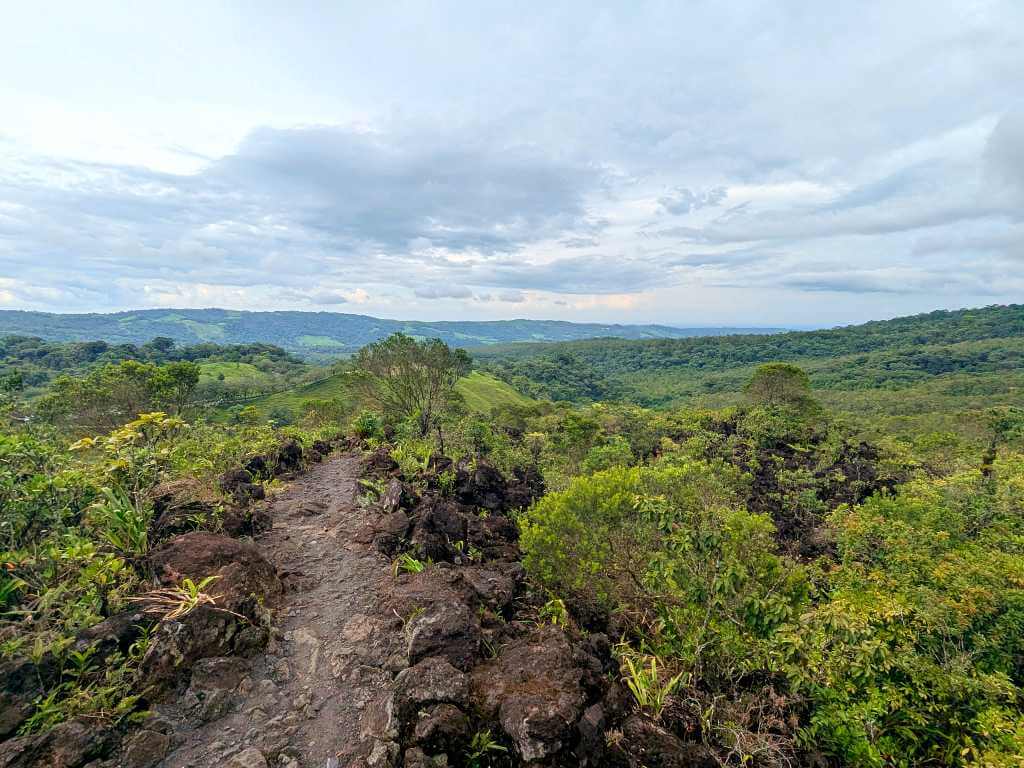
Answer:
(300, 702)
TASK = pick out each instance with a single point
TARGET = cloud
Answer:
(754, 146)
(443, 292)
(327, 298)
(681, 200)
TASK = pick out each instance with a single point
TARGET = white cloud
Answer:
(454, 157)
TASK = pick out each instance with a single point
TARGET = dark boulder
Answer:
(445, 629)
(178, 507)
(146, 749)
(440, 611)
(430, 681)
(494, 586)
(245, 578)
(241, 487)
(258, 466)
(389, 532)
(240, 568)
(114, 634)
(534, 688)
(21, 681)
(439, 529)
(441, 728)
(646, 745)
(480, 485)
(289, 457)
(495, 536)
(380, 462)
(397, 496)
(526, 487)
(247, 521)
(67, 745)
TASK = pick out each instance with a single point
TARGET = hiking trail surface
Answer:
(299, 704)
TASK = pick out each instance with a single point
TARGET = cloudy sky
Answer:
(765, 163)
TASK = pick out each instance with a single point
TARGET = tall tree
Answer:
(779, 384)
(407, 378)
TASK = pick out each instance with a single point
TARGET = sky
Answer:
(690, 163)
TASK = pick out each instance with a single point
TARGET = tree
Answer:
(409, 379)
(776, 384)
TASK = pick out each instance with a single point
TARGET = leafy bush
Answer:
(668, 548)
(366, 424)
(916, 652)
(612, 453)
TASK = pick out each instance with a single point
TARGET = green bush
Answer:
(612, 453)
(916, 650)
(668, 548)
(367, 424)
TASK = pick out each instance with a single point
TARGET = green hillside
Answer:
(314, 335)
(943, 365)
(481, 392)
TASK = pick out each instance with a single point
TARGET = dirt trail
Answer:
(300, 703)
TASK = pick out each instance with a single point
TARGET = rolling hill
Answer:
(480, 391)
(920, 372)
(316, 335)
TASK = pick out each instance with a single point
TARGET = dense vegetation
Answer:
(314, 335)
(941, 363)
(789, 584)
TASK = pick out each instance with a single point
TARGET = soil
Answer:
(299, 704)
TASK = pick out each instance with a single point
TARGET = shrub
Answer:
(668, 548)
(366, 424)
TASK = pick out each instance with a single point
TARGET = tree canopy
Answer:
(407, 378)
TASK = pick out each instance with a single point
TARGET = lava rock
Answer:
(439, 525)
(481, 486)
(67, 745)
(534, 688)
(646, 745)
(397, 496)
(244, 579)
(380, 462)
(21, 682)
(432, 681)
(115, 633)
(441, 728)
(146, 749)
(451, 630)
(389, 532)
(289, 457)
(241, 487)
(494, 586)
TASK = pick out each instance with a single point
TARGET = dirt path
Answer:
(299, 704)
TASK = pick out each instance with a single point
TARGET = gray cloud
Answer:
(751, 146)
(681, 200)
(443, 292)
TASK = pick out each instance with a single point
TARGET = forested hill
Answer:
(953, 360)
(314, 334)
(726, 351)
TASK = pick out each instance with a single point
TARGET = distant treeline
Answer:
(36, 362)
(878, 355)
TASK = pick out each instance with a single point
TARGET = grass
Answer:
(232, 371)
(482, 393)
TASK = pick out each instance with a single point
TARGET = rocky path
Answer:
(300, 704)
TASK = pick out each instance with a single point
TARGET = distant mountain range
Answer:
(316, 334)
